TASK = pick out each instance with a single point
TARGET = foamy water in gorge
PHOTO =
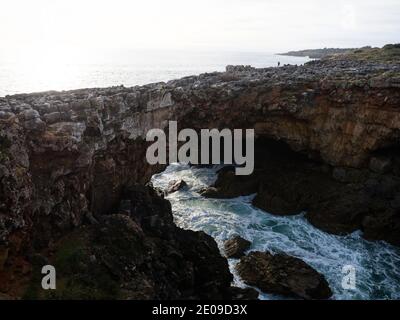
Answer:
(376, 263)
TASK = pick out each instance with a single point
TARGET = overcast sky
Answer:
(240, 25)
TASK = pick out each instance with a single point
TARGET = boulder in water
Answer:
(236, 247)
(176, 185)
(209, 192)
(284, 275)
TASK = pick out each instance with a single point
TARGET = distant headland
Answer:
(319, 53)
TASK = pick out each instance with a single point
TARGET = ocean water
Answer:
(377, 264)
(52, 72)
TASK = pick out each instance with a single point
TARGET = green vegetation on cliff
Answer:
(317, 53)
(389, 54)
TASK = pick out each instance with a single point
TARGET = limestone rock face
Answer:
(337, 200)
(139, 254)
(67, 157)
(284, 275)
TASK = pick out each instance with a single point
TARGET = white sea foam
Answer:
(377, 263)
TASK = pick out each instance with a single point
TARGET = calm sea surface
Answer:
(129, 69)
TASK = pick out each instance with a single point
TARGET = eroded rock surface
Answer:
(139, 254)
(176, 185)
(236, 247)
(338, 200)
(284, 275)
(67, 157)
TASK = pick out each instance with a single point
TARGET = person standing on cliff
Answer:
(279, 63)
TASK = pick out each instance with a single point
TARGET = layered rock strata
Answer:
(67, 157)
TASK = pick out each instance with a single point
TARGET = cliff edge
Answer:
(67, 158)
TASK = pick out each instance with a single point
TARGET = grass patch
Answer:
(388, 54)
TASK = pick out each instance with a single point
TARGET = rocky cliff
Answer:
(67, 158)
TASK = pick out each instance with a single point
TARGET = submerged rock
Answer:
(283, 275)
(236, 247)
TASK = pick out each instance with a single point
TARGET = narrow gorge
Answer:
(73, 173)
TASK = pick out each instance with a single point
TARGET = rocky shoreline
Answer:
(71, 163)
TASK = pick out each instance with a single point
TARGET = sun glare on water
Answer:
(44, 70)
